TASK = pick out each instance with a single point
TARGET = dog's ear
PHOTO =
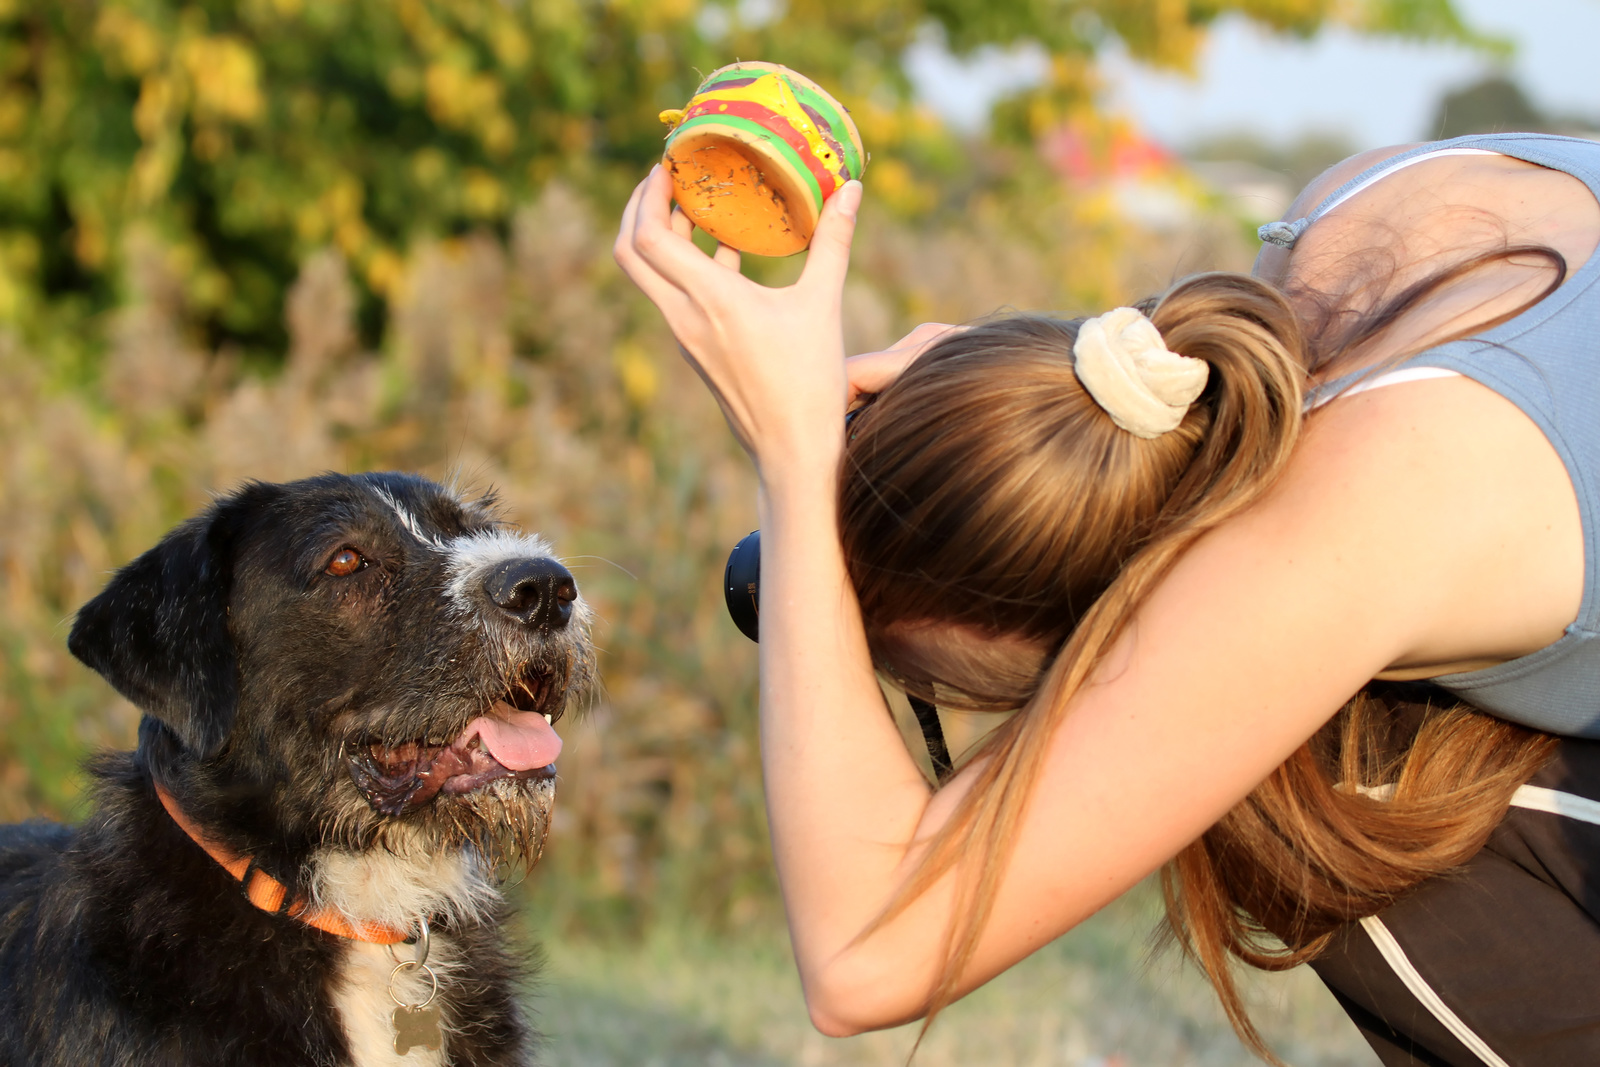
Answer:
(158, 632)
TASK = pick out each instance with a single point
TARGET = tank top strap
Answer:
(1285, 234)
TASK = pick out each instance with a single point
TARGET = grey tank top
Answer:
(1547, 362)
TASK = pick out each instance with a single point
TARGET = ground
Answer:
(1092, 999)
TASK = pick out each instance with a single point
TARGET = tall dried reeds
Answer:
(528, 365)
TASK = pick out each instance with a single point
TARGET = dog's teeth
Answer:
(549, 718)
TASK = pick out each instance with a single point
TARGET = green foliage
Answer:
(1492, 105)
(249, 133)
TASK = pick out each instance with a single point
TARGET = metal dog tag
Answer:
(416, 1027)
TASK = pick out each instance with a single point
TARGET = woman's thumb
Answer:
(829, 255)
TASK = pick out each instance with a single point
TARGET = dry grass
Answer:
(527, 364)
(1091, 999)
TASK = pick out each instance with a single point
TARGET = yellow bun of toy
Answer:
(756, 153)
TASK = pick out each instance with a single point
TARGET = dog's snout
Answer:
(538, 592)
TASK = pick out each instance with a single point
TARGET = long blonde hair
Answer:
(985, 488)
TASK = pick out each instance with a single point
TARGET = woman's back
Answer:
(1543, 360)
(1416, 221)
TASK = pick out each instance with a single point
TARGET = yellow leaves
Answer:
(128, 40)
(225, 77)
(463, 99)
(421, 27)
(1161, 32)
(404, 82)
(153, 169)
(636, 372)
(1302, 14)
(385, 271)
(351, 235)
(575, 135)
(657, 14)
(512, 49)
(210, 144)
(89, 240)
(19, 259)
(336, 213)
(482, 195)
(499, 134)
(214, 78)
(429, 166)
(880, 125)
(893, 184)
(457, 96)
(14, 110)
(154, 109)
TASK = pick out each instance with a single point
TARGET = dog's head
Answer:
(348, 661)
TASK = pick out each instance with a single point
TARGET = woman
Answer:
(1220, 577)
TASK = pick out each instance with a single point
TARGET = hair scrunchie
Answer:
(1123, 363)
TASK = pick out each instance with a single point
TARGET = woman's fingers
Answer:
(669, 298)
(872, 372)
(680, 223)
(669, 253)
(771, 356)
(622, 248)
(829, 257)
(625, 250)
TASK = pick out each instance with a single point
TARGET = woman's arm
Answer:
(832, 757)
(1421, 523)
(1420, 528)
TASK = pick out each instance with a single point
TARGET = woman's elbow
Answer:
(842, 1004)
(830, 1023)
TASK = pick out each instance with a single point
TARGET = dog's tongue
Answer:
(519, 740)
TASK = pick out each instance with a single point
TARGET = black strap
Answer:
(932, 733)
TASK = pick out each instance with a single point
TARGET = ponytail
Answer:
(1230, 447)
(1251, 338)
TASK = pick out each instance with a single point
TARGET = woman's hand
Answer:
(773, 358)
(871, 372)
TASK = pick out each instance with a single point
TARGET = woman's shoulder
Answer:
(1456, 499)
(1272, 264)
(1326, 183)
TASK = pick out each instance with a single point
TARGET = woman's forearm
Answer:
(844, 797)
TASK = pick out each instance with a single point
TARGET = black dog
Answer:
(347, 684)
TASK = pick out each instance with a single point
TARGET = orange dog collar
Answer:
(269, 894)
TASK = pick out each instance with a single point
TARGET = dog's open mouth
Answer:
(514, 740)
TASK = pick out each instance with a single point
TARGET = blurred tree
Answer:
(1494, 105)
(245, 134)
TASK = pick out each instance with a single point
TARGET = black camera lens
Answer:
(741, 585)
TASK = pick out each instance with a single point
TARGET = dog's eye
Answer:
(345, 561)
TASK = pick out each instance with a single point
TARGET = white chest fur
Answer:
(364, 1005)
(394, 888)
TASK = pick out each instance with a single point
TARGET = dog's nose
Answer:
(538, 592)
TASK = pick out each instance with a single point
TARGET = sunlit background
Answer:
(265, 238)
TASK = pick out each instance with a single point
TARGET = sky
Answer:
(1372, 91)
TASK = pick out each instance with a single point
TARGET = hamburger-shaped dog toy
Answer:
(756, 153)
